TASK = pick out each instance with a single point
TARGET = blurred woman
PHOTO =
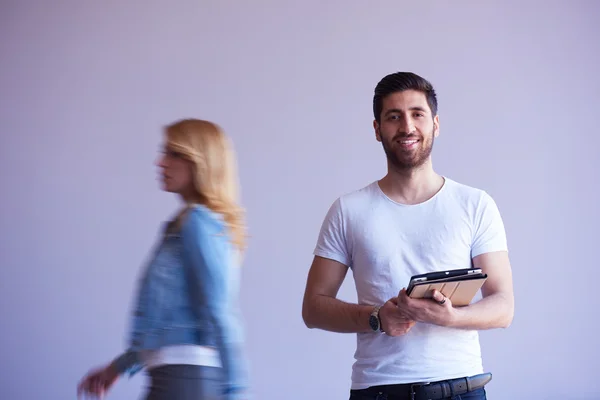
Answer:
(186, 330)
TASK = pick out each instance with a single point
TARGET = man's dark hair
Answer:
(399, 82)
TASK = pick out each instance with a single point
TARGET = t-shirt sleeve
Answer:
(332, 242)
(490, 234)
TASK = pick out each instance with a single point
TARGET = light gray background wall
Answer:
(86, 86)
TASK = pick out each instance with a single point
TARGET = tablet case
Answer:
(460, 289)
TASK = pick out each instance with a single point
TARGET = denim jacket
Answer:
(188, 295)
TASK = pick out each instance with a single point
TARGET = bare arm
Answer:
(496, 308)
(321, 309)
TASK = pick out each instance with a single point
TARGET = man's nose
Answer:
(407, 125)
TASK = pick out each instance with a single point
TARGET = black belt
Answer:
(429, 391)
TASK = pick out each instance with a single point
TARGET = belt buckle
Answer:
(416, 385)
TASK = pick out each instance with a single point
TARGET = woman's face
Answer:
(176, 173)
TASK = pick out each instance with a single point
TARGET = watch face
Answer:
(374, 322)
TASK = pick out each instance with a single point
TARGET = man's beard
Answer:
(415, 160)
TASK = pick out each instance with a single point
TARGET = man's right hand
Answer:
(393, 322)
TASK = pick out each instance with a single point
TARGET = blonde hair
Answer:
(215, 178)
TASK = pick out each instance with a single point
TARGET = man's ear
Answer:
(376, 128)
(436, 126)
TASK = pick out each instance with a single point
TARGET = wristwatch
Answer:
(374, 321)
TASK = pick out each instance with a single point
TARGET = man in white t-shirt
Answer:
(410, 222)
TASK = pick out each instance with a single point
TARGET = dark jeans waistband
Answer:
(430, 391)
(185, 382)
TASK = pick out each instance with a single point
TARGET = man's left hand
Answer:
(437, 310)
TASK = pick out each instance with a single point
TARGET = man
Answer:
(412, 221)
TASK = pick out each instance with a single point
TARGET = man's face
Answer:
(406, 129)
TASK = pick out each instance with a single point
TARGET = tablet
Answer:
(459, 285)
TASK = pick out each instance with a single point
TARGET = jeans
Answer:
(184, 382)
(478, 394)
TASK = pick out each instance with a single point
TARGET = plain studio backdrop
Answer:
(86, 87)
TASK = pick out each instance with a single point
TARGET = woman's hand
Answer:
(97, 382)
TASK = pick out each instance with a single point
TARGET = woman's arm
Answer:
(207, 252)
(127, 363)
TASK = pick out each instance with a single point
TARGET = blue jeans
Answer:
(184, 382)
(478, 394)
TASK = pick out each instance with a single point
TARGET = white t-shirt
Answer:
(385, 243)
(181, 354)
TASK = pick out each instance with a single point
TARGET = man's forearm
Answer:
(331, 314)
(494, 311)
